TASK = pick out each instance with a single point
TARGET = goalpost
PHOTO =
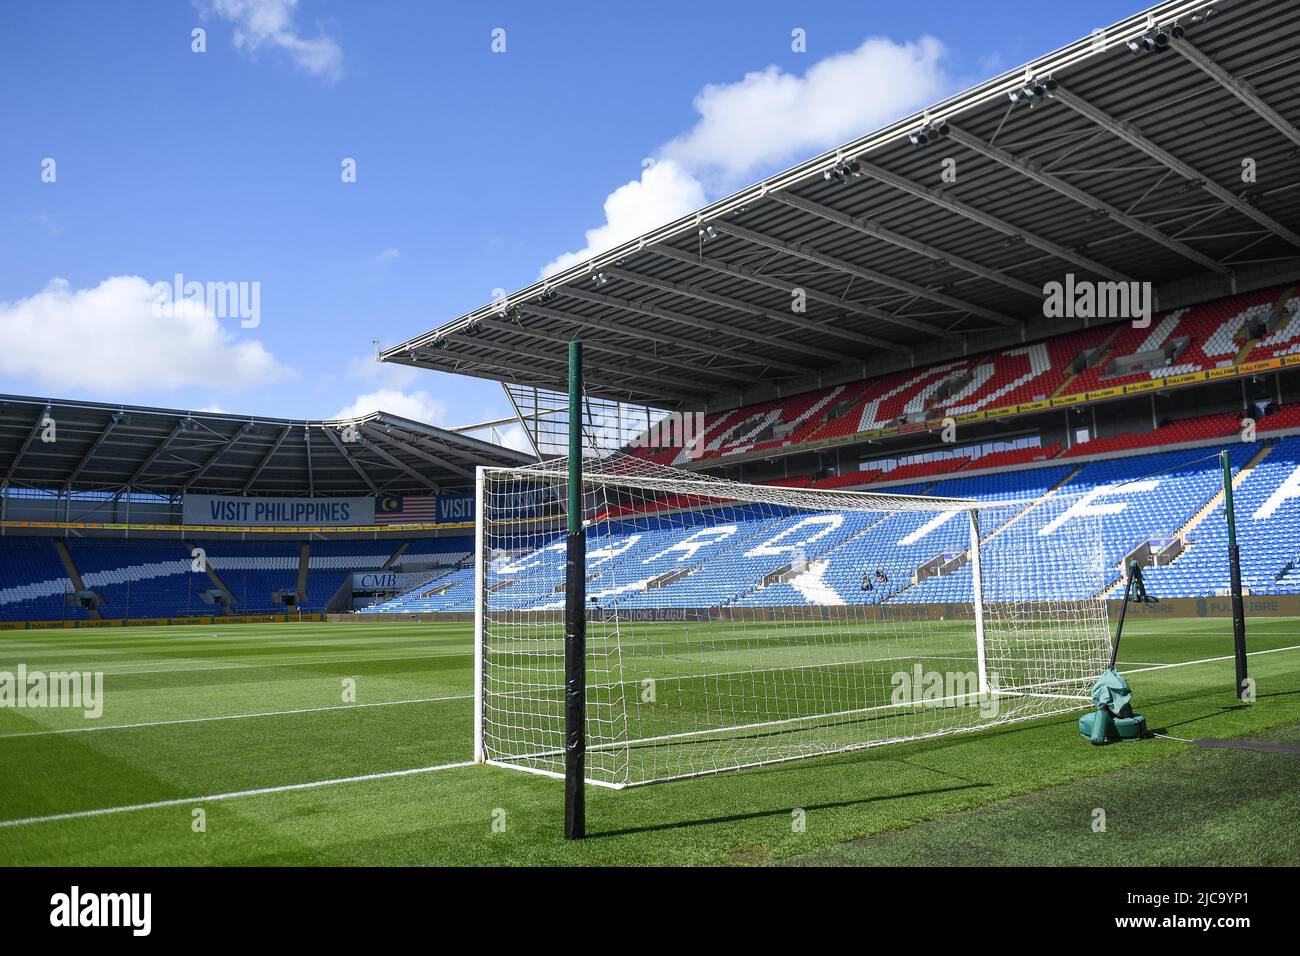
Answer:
(729, 626)
(711, 625)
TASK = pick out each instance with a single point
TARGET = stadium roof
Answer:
(115, 447)
(1130, 169)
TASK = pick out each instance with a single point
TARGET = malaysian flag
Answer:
(409, 509)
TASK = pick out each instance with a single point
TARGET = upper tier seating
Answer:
(1202, 428)
(1203, 337)
(1214, 332)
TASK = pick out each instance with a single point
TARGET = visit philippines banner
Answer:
(277, 512)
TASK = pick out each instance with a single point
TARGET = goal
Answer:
(732, 625)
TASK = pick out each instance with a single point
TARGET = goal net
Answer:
(733, 625)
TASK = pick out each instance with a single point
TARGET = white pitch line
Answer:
(214, 797)
(220, 665)
(1210, 660)
(202, 720)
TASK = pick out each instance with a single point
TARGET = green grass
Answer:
(900, 803)
(1208, 807)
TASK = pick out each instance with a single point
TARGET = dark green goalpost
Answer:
(1234, 569)
(575, 618)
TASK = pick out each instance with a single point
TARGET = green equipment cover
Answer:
(1114, 718)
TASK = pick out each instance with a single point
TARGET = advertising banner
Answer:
(277, 512)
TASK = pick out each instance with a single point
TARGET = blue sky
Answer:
(475, 169)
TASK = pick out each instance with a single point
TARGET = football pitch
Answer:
(324, 744)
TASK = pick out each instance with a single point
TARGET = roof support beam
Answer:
(416, 446)
(426, 356)
(673, 340)
(1134, 137)
(752, 275)
(155, 455)
(311, 472)
(803, 250)
(529, 371)
(1031, 170)
(687, 385)
(803, 324)
(266, 459)
(943, 200)
(1238, 88)
(708, 325)
(230, 443)
(393, 460)
(597, 345)
(529, 433)
(347, 456)
(90, 453)
(867, 227)
(27, 443)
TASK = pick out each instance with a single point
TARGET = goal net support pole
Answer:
(977, 598)
(480, 602)
(1234, 567)
(575, 618)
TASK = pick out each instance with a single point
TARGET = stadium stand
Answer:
(1142, 498)
(33, 582)
(1175, 433)
(1176, 515)
(1186, 340)
(1229, 331)
(1151, 500)
(154, 578)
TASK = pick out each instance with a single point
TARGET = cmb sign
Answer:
(374, 581)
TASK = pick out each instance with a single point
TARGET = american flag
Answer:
(398, 509)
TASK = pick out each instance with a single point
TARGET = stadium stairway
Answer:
(823, 557)
(304, 570)
(392, 558)
(74, 575)
(1208, 508)
(1100, 354)
(1215, 501)
(1024, 512)
(217, 583)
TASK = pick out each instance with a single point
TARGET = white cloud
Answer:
(48, 224)
(391, 254)
(269, 24)
(513, 436)
(386, 374)
(418, 406)
(767, 118)
(771, 116)
(111, 339)
(664, 192)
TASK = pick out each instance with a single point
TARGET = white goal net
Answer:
(733, 625)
